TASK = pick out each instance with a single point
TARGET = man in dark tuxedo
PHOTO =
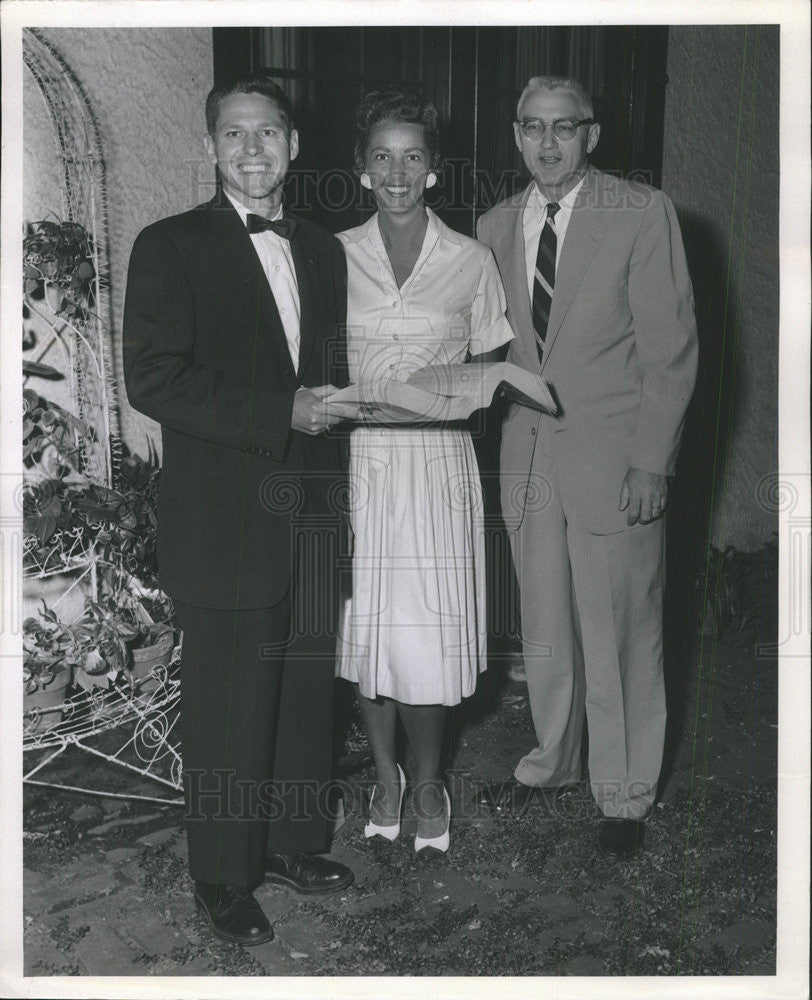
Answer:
(233, 334)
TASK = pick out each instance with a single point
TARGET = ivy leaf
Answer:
(43, 371)
(85, 681)
(94, 663)
(45, 528)
(53, 508)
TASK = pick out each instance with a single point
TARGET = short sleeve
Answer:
(489, 326)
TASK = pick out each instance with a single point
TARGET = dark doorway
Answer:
(474, 76)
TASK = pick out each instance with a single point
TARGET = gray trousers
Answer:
(593, 648)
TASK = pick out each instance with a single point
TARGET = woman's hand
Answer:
(310, 411)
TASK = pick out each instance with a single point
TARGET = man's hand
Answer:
(310, 414)
(643, 495)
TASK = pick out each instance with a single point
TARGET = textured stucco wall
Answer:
(720, 166)
(147, 88)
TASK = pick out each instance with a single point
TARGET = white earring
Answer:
(366, 182)
(431, 179)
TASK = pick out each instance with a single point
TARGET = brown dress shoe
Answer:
(233, 913)
(621, 838)
(308, 874)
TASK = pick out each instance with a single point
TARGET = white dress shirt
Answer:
(535, 215)
(277, 263)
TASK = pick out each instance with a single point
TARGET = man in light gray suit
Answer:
(601, 304)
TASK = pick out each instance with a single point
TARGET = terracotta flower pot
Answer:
(147, 661)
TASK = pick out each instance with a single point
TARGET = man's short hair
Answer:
(560, 83)
(259, 82)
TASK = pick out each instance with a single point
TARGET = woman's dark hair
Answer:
(247, 83)
(396, 104)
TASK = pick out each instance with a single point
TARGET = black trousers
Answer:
(256, 701)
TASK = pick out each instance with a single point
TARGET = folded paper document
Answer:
(441, 393)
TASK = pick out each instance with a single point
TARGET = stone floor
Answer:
(106, 891)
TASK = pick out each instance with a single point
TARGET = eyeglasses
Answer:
(534, 128)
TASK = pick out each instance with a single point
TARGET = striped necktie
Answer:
(544, 278)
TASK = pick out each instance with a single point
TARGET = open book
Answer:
(440, 393)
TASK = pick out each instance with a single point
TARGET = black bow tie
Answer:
(282, 227)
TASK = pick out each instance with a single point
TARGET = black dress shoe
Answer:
(503, 798)
(307, 873)
(621, 838)
(233, 914)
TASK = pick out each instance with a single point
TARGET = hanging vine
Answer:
(66, 264)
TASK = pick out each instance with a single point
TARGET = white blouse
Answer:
(451, 304)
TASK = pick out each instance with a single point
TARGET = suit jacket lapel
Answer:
(585, 232)
(510, 249)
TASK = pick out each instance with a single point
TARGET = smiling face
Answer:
(556, 165)
(398, 162)
(252, 147)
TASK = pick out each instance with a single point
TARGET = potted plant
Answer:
(47, 671)
(58, 266)
(56, 532)
(126, 545)
(53, 438)
(114, 641)
(123, 631)
(150, 655)
(100, 647)
(108, 644)
(127, 519)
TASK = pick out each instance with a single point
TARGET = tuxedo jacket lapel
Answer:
(227, 224)
(305, 262)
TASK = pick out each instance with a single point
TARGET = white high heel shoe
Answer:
(426, 848)
(392, 831)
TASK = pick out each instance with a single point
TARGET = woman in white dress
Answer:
(413, 634)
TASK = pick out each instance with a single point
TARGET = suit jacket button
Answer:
(533, 431)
